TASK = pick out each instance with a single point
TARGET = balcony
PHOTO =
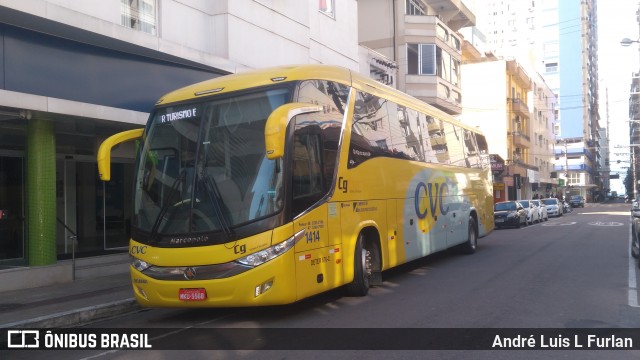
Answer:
(521, 77)
(454, 13)
(520, 139)
(435, 85)
(519, 107)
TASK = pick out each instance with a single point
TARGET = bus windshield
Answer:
(203, 168)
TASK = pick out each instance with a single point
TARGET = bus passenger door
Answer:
(318, 257)
(318, 261)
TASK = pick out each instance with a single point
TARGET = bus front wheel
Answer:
(362, 270)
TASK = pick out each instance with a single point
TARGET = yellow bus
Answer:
(270, 186)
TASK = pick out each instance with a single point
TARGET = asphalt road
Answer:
(570, 272)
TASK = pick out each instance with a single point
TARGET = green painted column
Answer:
(41, 193)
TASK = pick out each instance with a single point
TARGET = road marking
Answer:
(605, 223)
(559, 224)
(633, 289)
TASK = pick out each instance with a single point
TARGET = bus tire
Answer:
(361, 270)
(471, 245)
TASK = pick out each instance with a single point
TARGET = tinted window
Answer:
(483, 150)
(384, 128)
(370, 134)
(316, 140)
(438, 140)
(403, 124)
(505, 206)
(455, 152)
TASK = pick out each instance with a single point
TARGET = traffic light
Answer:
(560, 182)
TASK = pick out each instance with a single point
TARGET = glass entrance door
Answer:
(96, 211)
(11, 208)
(114, 197)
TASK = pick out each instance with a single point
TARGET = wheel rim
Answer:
(473, 239)
(366, 265)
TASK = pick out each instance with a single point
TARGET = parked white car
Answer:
(542, 210)
(532, 211)
(553, 205)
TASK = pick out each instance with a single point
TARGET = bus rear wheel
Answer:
(362, 270)
(471, 245)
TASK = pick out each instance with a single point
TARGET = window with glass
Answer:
(421, 59)
(415, 7)
(429, 59)
(327, 7)
(203, 169)
(316, 142)
(405, 132)
(444, 64)
(573, 178)
(384, 128)
(370, 130)
(139, 14)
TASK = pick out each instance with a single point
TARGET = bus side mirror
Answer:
(276, 127)
(104, 152)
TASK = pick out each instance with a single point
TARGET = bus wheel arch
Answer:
(367, 263)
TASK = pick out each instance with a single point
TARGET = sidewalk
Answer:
(67, 304)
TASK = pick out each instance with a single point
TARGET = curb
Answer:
(77, 316)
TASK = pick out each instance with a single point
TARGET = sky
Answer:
(616, 63)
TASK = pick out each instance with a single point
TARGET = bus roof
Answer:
(273, 75)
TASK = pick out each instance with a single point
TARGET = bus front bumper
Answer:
(272, 283)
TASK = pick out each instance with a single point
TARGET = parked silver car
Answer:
(542, 210)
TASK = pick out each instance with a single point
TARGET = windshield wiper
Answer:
(216, 199)
(165, 206)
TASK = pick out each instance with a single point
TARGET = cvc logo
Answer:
(435, 192)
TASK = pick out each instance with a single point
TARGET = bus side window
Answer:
(471, 150)
(483, 150)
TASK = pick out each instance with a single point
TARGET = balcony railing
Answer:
(520, 139)
(519, 107)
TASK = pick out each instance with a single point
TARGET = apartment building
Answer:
(421, 37)
(557, 39)
(496, 100)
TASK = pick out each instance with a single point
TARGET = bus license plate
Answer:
(192, 294)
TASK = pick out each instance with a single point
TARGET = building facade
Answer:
(558, 40)
(421, 36)
(543, 120)
(497, 101)
(579, 99)
(74, 73)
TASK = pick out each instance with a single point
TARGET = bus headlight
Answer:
(139, 264)
(272, 252)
